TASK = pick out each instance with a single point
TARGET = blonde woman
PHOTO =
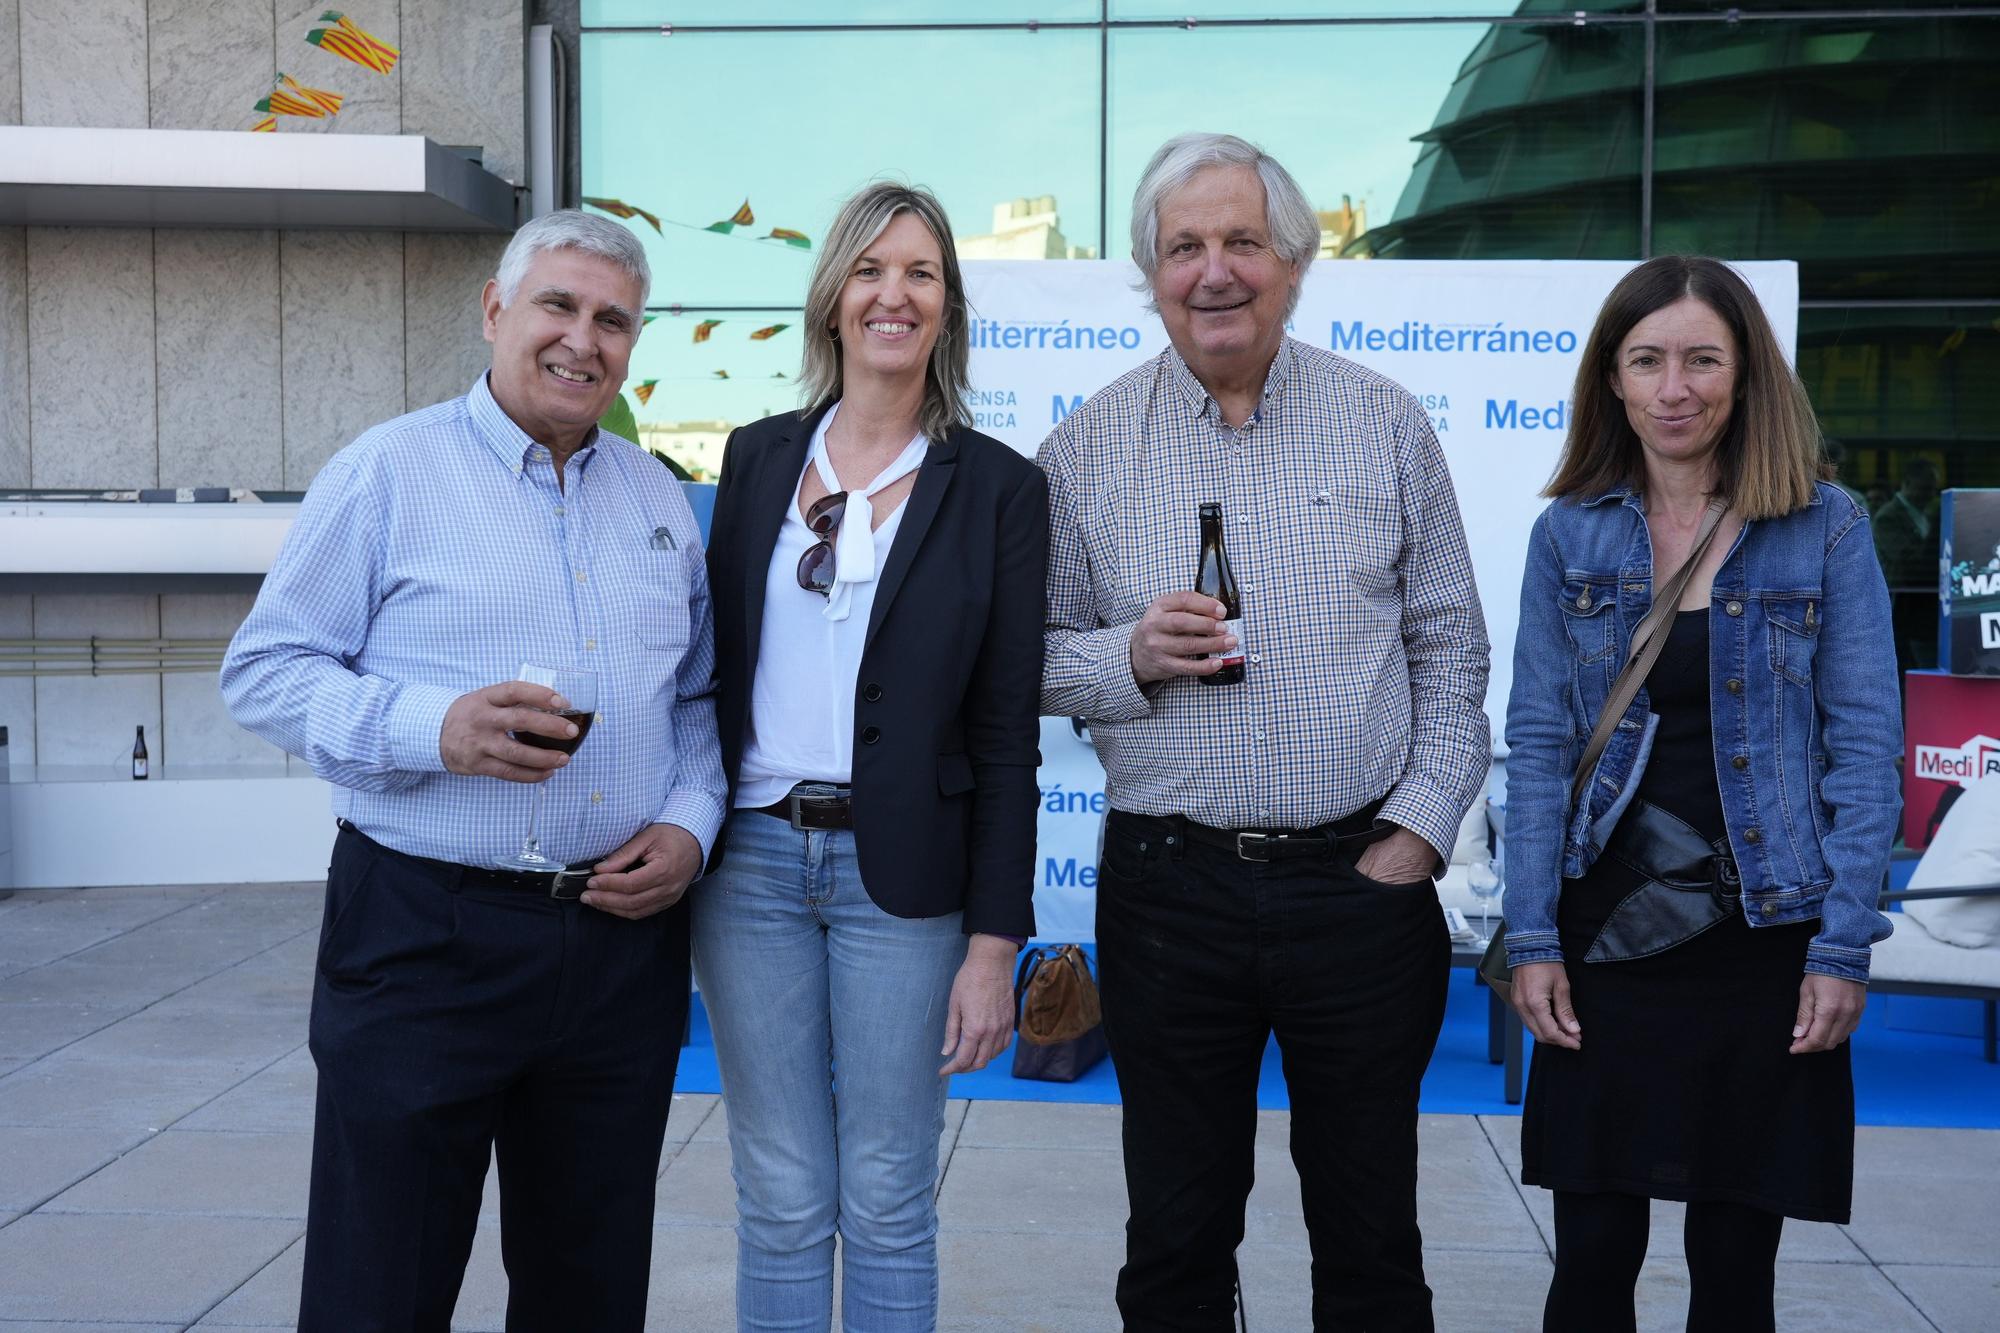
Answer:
(877, 575)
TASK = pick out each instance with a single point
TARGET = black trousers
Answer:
(452, 1024)
(1202, 957)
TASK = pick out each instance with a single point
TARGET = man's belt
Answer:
(814, 805)
(565, 884)
(1345, 836)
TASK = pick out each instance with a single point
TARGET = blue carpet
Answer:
(1919, 1078)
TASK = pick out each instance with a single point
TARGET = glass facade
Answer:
(1860, 139)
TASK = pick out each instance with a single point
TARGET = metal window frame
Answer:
(1104, 25)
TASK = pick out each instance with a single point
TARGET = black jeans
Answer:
(1201, 957)
(454, 1023)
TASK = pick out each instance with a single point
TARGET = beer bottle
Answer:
(1213, 579)
(140, 768)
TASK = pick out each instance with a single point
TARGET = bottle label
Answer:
(1231, 656)
(139, 768)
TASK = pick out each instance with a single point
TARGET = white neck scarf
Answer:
(854, 555)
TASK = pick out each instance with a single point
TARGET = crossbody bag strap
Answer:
(1647, 641)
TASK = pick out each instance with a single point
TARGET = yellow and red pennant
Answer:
(329, 102)
(722, 374)
(703, 329)
(268, 125)
(291, 98)
(618, 208)
(643, 391)
(742, 217)
(790, 237)
(351, 42)
(769, 332)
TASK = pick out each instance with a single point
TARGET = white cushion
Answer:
(1471, 844)
(1965, 852)
(1911, 955)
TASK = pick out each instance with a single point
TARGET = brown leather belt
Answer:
(814, 805)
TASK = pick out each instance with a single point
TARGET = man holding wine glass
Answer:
(470, 591)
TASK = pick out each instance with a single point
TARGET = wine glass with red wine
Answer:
(579, 690)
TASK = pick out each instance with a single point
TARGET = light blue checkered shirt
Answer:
(1366, 652)
(435, 555)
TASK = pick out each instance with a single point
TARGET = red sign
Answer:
(1950, 726)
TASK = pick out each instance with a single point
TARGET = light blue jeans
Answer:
(828, 1015)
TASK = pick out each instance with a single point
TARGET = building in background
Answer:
(1024, 229)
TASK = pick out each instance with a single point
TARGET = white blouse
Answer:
(802, 696)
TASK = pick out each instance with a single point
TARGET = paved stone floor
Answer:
(156, 1109)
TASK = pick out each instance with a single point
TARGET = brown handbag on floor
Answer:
(1648, 638)
(1059, 1020)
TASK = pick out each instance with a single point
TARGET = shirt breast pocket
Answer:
(1795, 624)
(658, 594)
(1587, 619)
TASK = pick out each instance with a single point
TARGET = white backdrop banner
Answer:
(1489, 347)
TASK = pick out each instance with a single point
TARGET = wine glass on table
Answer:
(578, 689)
(1484, 882)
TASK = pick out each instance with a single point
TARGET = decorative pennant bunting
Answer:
(647, 319)
(722, 374)
(764, 334)
(790, 237)
(351, 42)
(618, 208)
(643, 391)
(293, 101)
(742, 217)
(268, 125)
(329, 102)
(703, 329)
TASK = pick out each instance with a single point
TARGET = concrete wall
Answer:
(230, 358)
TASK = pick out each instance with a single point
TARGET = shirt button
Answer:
(869, 735)
(1733, 685)
(1734, 608)
(590, 645)
(1256, 658)
(1583, 601)
(560, 511)
(597, 798)
(1767, 909)
(1753, 835)
(1740, 762)
(871, 692)
(1249, 587)
(1260, 735)
(581, 577)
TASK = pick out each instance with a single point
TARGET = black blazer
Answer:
(947, 701)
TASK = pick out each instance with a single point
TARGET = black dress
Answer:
(1685, 1087)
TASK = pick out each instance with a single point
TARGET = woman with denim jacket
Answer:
(1690, 935)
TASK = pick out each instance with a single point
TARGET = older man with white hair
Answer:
(465, 1008)
(1267, 860)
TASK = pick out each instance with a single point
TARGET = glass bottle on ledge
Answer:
(141, 770)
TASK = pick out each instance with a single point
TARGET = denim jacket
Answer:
(1802, 697)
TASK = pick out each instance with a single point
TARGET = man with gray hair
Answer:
(1268, 855)
(465, 1008)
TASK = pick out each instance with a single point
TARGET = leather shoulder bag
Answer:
(1647, 640)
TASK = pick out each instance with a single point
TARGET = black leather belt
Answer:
(1344, 836)
(814, 805)
(566, 884)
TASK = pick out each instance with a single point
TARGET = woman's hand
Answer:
(1541, 998)
(980, 1022)
(1829, 1011)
